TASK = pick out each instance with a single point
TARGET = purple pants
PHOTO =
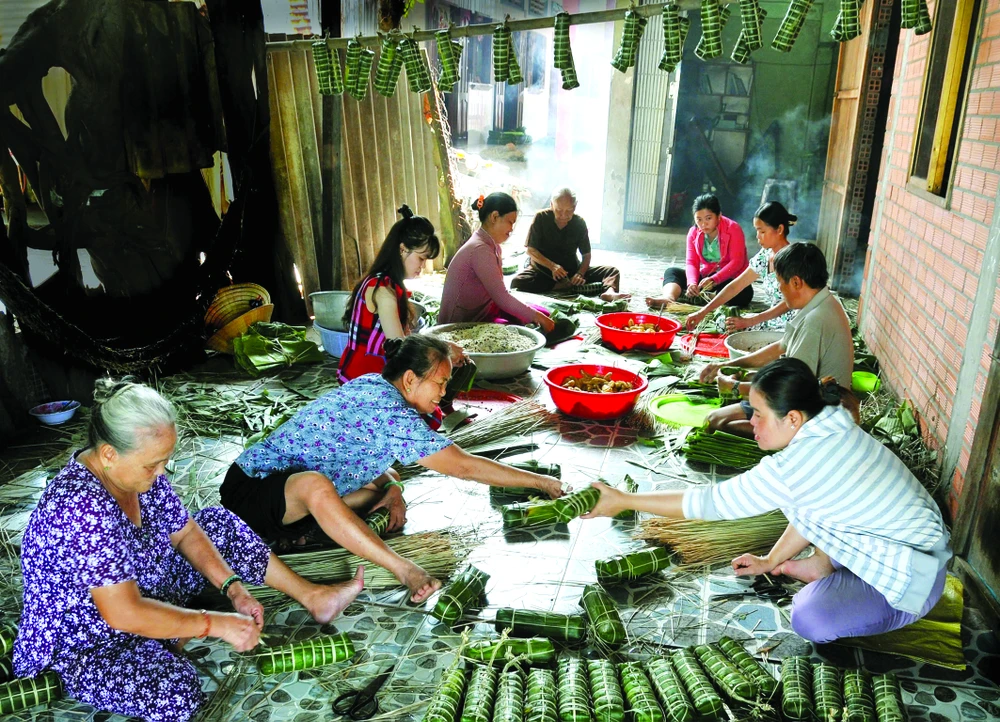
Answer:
(140, 677)
(843, 605)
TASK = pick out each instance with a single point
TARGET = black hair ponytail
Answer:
(788, 384)
(419, 353)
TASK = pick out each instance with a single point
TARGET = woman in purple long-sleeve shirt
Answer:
(474, 289)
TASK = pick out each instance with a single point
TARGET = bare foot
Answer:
(658, 302)
(330, 600)
(611, 296)
(806, 570)
(420, 583)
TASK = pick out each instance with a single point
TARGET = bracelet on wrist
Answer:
(400, 484)
(230, 582)
(208, 624)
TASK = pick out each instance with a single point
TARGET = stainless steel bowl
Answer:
(491, 366)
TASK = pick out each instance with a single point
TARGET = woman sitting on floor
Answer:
(880, 544)
(111, 556)
(380, 307)
(772, 222)
(474, 289)
(331, 461)
(716, 254)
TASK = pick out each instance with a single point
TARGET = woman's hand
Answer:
(709, 373)
(694, 319)
(547, 324)
(245, 604)
(737, 323)
(692, 290)
(550, 486)
(458, 355)
(707, 284)
(612, 502)
(393, 501)
(238, 630)
(728, 385)
(558, 272)
(747, 565)
(577, 280)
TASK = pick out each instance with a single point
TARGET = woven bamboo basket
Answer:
(222, 340)
(232, 302)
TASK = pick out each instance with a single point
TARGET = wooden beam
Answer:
(468, 31)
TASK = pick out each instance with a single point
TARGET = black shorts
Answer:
(261, 503)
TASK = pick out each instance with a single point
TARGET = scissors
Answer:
(360, 704)
(763, 587)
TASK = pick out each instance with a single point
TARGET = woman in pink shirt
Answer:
(716, 254)
(474, 289)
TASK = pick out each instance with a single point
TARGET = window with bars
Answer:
(946, 82)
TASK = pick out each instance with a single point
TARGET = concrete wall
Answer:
(930, 304)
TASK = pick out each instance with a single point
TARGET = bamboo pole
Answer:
(468, 31)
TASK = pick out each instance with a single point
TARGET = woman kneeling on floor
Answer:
(331, 461)
(110, 557)
(880, 542)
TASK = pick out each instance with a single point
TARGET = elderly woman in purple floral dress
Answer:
(111, 556)
(333, 458)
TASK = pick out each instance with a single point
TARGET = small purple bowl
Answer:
(55, 412)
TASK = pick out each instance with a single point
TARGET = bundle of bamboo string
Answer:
(699, 542)
(520, 418)
(439, 553)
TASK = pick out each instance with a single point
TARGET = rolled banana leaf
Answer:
(602, 615)
(378, 521)
(923, 25)
(365, 62)
(791, 25)
(461, 593)
(741, 51)
(671, 39)
(448, 57)
(551, 511)
(351, 66)
(711, 29)
(562, 53)
(525, 623)
(514, 75)
(632, 30)
(479, 697)
(540, 703)
(390, 62)
(750, 16)
(536, 650)
(509, 705)
(847, 26)
(909, 14)
(307, 654)
(632, 566)
(418, 76)
(327, 69)
(501, 53)
(8, 633)
(27, 692)
(447, 700)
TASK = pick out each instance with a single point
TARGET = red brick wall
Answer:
(923, 266)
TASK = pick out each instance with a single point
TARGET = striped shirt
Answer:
(851, 497)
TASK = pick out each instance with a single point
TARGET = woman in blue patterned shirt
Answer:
(334, 457)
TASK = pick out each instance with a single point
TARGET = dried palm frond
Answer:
(700, 542)
(438, 552)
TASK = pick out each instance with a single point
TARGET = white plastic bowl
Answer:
(746, 342)
(334, 342)
(329, 307)
(491, 366)
(55, 412)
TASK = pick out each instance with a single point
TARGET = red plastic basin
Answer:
(614, 334)
(587, 405)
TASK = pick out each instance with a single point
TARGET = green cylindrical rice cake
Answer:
(670, 689)
(550, 511)
(859, 705)
(605, 691)
(540, 699)
(888, 699)
(27, 692)
(535, 650)
(703, 695)
(461, 593)
(796, 688)
(828, 692)
(447, 699)
(710, 45)
(602, 615)
(627, 567)
(480, 695)
(726, 674)
(525, 623)
(309, 653)
(791, 25)
(639, 693)
(763, 683)
(574, 691)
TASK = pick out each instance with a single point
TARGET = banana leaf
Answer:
(462, 592)
(536, 650)
(602, 615)
(552, 511)
(632, 566)
(269, 346)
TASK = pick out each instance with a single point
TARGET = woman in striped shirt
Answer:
(880, 542)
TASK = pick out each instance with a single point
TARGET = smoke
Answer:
(787, 160)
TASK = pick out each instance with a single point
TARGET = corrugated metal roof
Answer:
(14, 13)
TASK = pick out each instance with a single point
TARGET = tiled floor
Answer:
(541, 569)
